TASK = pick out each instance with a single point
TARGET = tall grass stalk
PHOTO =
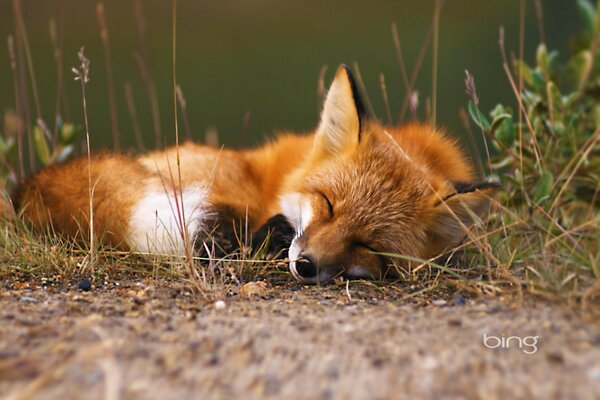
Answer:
(114, 122)
(82, 75)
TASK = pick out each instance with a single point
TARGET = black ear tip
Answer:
(348, 71)
(360, 107)
(468, 187)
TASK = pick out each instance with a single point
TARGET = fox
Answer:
(339, 200)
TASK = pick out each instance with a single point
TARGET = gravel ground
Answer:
(154, 340)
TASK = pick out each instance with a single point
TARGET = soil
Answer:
(155, 340)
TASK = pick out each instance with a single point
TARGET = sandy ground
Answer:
(152, 340)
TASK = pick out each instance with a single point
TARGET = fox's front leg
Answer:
(220, 234)
(224, 228)
(276, 235)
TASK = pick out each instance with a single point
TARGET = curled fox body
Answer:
(337, 198)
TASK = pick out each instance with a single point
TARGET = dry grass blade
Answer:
(114, 123)
(363, 88)
(137, 131)
(386, 100)
(183, 105)
(82, 75)
(522, 110)
(434, 69)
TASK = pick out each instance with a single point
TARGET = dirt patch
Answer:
(155, 340)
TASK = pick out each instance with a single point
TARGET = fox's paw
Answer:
(274, 237)
(218, 237)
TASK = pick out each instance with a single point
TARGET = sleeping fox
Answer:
(337, 198)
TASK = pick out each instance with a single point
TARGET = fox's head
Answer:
(363, 191)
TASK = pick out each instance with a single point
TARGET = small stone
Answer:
(439, 302)
(251, 289)
(85, 285)
(219, 305)
(28, 299)
(458, 299)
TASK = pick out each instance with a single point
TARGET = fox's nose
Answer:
(306, 268)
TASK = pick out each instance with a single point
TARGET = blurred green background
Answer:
(250, 68)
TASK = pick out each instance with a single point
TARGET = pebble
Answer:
(219, 305)
(458, 299)
(28, 299)
(85, 285)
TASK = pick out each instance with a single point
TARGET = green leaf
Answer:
(543, 187)
(41, 145)
(538, 80)
(503, 129)
(68, 133)
(521, 67)
(477, 117)
(579, 66)
(6, 146)
(555, 99)
(588, 14)
(542, 58)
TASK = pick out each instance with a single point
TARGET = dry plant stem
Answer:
(321, 89)
(386, 101)
(580, 227)
(82, 74)
(25, 45)
(23, 32)
(152, 97)
(434, 69)
(13, 67)
(588, 142)
(464, 119)
(505, 66)
(141, 59)
(137, 131)
(398, 48)
(57, 45)
(183, 106)
(114, 123)
(472, 92)
(187, 243)
(363, 88)
(25, 115)
(584, 156)
(521, 46)
(415, 74)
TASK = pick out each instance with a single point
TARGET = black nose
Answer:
(306, 267)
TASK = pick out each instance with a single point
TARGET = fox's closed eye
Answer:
(365, 245)
(328, 202)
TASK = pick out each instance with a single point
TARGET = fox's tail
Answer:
(58, 197)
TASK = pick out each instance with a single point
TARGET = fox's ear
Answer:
(343, 114)
(457, 211)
